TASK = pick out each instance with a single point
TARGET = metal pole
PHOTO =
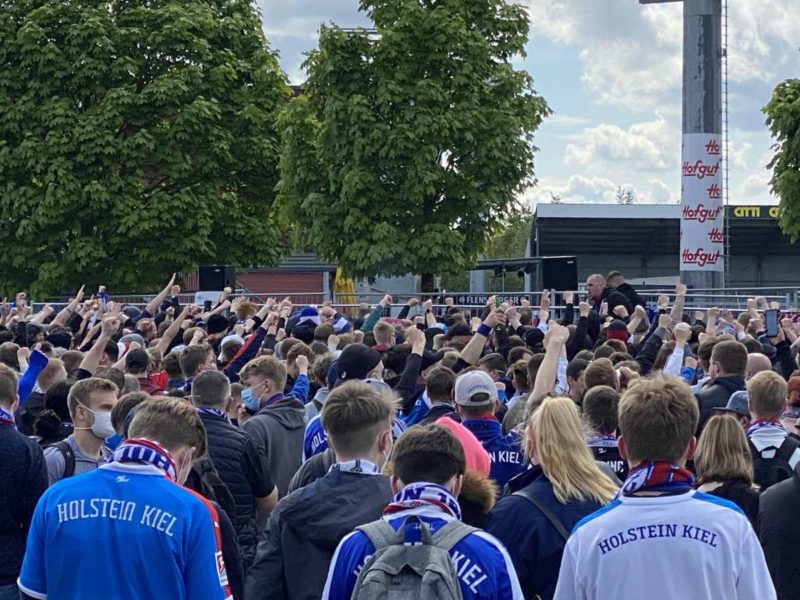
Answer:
(702, 89)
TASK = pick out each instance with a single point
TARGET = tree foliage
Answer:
(409, 147)
(135, 138)
(783, 119)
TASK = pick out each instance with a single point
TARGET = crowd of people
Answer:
(273, 451)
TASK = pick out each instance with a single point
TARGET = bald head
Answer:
(756, 363)
(595, 284)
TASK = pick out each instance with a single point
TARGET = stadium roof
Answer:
(641, 229)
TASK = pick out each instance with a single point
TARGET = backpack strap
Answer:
(69, 458)
(786, 449)
(450, 534)
(548, 514)
(380, 533)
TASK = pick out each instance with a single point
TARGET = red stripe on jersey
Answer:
(212, 512)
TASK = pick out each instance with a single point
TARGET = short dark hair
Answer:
(124, 406)
(440, 383)
(172, 365)
(111, 374)
(211, 389)
(494, 362)
(731, 356)
(603, 351)
(355, 414)
(518, 353)
(429, 453)
(600, 409)
(192, 357)
(576, 366)
(534, 362)
(600, 372)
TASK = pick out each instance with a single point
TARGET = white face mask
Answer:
(102, 426)
(185, 468)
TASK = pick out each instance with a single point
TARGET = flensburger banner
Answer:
(702, 211)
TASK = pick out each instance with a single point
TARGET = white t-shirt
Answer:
(691, 545)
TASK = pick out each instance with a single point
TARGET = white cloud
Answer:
(648, 146)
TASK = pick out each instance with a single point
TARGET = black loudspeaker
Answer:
(560, 273)
(215, 278)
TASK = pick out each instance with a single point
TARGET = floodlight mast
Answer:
(702, 99)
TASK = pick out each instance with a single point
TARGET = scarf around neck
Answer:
(658, 476)
(765, 424)
(422, 494)
(140, 450)
(7, 418)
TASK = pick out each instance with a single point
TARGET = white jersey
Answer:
(691, 545)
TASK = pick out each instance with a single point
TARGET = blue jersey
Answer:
(123, 531)
(315, 440)
(505, 451)
(483, 567)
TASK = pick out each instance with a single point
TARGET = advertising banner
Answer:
(702, 211)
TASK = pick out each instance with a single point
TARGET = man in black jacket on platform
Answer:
(23, 479)
(305, 528)
(243, 470)
(728, 364)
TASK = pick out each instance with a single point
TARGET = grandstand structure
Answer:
(643, 242)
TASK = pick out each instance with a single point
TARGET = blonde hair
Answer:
(723, 453)
(554, 431)
(266, 367)
(355, 414)
(383, 332)
(767, 392)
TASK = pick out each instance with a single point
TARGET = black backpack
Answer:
(771, 464)
(69, 457)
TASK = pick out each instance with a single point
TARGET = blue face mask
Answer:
(249, 400)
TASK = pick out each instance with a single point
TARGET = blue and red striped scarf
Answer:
(140, 450)
(422, 494)
(7, 418)
(765, 424)
(659, 476)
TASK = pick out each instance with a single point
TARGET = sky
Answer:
(611, 72)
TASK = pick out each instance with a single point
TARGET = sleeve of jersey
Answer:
(349, 558)
(33, 578)
(505, 578)
(204, 574)
(568, 586)
(300, 388)
(753, 579)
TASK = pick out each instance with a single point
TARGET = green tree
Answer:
(136, 138)
(783, 119)
(411, 143)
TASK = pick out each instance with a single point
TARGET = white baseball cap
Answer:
(475, 388)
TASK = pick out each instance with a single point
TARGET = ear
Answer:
(458, 409)
(395, 483)
(14, 406)
(690, 448)
(457, 483)
(622, 446)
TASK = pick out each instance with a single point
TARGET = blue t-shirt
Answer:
(123, 531)
(315, 440)
(505, 451)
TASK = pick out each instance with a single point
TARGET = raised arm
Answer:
(65, 313)
(546, 376)
(152, 308)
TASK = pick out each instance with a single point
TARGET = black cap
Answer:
(458, 330)
(356, 361)
(137, 359)
(60, 338)
(217, 324)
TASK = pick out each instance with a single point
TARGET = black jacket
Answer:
(633, 297)
(245, 473)
(304, 530)
(277, 431)
(311, 470)
(716, 395)
(27, 415)
(742, 495)
(23, 479)
(779, 530)
(533, 543)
